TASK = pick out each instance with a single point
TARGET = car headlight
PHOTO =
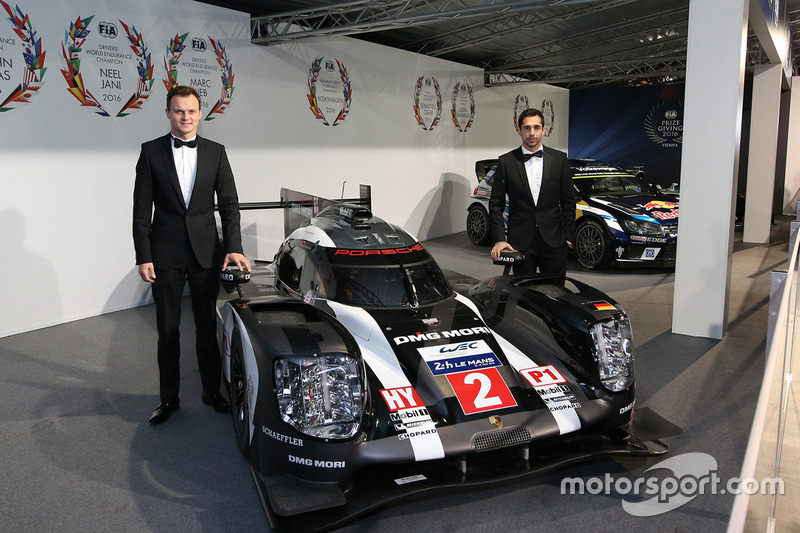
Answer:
(320, 396)
(613, 343)
(642, 227)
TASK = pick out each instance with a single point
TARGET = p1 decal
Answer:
(481, 390)
(401, 398)
(543, 376)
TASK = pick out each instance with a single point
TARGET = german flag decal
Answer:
(603, 306)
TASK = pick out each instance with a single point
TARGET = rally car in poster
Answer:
(619, 216)
(358, 375)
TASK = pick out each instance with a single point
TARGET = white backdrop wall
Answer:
(67, 178)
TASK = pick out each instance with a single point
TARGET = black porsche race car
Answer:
(359, 376)
(619, 217)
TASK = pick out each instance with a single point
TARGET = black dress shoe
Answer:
(220, 404)
(163, 411)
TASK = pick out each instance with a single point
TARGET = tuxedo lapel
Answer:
(547, 170)
(203, 175)
(169, 165)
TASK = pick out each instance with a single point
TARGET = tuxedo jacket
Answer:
(553, 216)
(160, 234)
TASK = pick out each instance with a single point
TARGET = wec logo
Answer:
(458, 347)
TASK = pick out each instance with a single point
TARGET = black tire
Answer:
(592, 246)
(478, 225)
(240, 406)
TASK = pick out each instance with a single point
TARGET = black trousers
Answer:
(167, 293)
(545, 258)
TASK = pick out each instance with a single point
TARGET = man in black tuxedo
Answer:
(537, 181)
(180, 174)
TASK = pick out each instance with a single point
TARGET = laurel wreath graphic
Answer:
(227, 79)
(73, 45)
(172, 59)
(144, 69)
(521, 98)
(33, 56)
(70, 49)
(417, 114)
(453, 99)
(347, 91)
(548, 111)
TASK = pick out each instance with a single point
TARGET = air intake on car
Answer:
(501, 439)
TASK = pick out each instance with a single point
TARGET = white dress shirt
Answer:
(186, 166)
(534, 167)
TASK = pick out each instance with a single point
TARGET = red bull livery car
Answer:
(359, 375)
(619, 216)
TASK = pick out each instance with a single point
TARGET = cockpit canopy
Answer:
(358, 260)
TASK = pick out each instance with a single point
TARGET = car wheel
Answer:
(240, 406)
(478, 225)
(592, 246)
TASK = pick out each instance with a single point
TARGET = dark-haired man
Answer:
(537, 181)
(179, 175)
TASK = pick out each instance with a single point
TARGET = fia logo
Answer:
(199, 44)
(107, 29)
(329, 65)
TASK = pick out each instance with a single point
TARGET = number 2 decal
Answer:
(481, 390)
(482, 399)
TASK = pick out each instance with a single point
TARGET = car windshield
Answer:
(613, 186)
(406, 279)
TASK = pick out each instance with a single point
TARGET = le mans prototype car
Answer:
(619, 216)
(359, 376)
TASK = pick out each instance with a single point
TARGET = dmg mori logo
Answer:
(107, 29)
(199, 44)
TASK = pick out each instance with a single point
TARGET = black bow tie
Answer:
(180, 142)
(537, 153)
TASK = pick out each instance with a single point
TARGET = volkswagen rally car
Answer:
(619, 216)
(359, 376)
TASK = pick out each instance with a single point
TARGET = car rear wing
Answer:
(300, 206)
(484, 167)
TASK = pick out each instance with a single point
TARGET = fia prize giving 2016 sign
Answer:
(663, 124)
(203, 63)
(427, 102)
(21, 58)
(329, 91)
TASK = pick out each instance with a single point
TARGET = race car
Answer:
(619, 216)
(359, 376)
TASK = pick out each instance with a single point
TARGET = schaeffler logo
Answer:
(692, 475)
